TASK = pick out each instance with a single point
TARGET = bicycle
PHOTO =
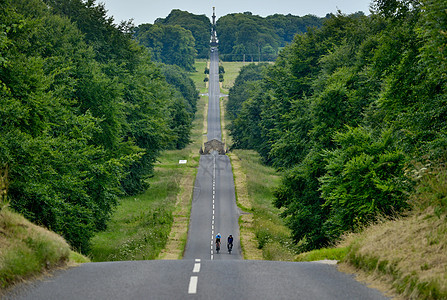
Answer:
(230, 247)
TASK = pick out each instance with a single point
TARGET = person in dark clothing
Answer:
(230, 243)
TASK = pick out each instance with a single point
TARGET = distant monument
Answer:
(214, 41)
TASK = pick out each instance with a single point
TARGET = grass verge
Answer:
(140, 226)
(337, 254)
(28, 251)
(179, 232)
(263, 233)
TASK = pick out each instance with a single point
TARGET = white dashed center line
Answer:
(214, 199)
(192, 289)
(196, 268)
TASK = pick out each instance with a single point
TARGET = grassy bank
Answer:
(404, 257)
(408, 256)
(27, 250)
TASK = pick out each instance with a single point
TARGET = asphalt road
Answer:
(214, 131)
(191, 279)
(202, 274)
(214, 207)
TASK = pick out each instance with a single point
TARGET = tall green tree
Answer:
(199, 25)
(183, 106)
(169, 44)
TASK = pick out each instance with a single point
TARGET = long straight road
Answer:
(202, 274)
(214, 207)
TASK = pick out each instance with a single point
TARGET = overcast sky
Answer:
(146, 11)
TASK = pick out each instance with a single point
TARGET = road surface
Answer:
(214, 207)
(191, 279)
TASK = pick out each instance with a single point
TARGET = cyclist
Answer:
(230, 243)
(218, 236)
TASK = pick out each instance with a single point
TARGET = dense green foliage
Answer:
(240, 91)
(169, 44)
(83, 113)
(183, 105)
(199, 25)
(344, 112)
(254, 38)
(240, 34)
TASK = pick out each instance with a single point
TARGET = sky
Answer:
(146, 11)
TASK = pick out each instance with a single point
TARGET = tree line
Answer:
(346, 114)
(182, 36)
(84, 113)
(244, 36)
(177, 39)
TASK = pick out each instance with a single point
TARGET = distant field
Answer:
(199, 75)
(232, 69)
(231, 72)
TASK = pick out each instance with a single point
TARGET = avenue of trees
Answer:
(84, 113)
(345, 114)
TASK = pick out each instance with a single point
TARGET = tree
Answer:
(183, 106)
(199, 25)
(169, 44)
(364, 179)
(240, 91)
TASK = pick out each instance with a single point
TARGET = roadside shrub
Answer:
(364, 178)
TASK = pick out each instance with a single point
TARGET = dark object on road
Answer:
(217, 247)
